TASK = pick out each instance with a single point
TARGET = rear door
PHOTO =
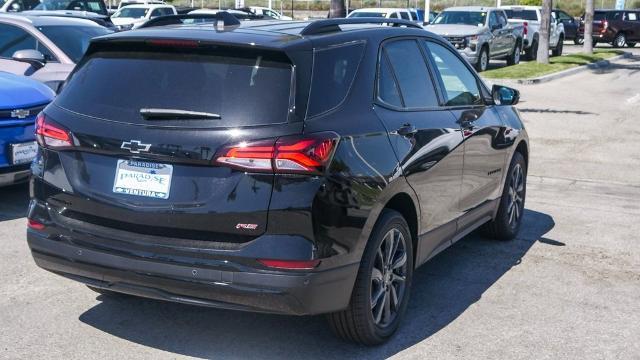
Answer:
(425, 137)
(121, 105)
(484, 159)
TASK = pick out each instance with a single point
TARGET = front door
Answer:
(425, 137)
(484, 158)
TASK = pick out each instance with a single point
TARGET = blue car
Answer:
(21, 99)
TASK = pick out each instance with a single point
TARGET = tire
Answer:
(106, 292)
(578, 40)
(483, 60)
(357, 323)
(514, 59)
(631, 44)
(532, 52)
(558, 50)
(619, 41)
(508, 219)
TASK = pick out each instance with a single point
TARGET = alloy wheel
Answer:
(388, 278)
(484, 61)
(516, 58)
(516, 196)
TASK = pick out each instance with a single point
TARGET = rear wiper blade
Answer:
(177, 114)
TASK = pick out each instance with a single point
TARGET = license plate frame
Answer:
(24, 152)
(143, 178)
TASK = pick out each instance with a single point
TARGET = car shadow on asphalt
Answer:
(14, 201)
(444, 289)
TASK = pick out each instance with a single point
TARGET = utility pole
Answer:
(545, 25)
(587, 47)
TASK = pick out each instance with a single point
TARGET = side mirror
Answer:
(31, 57)
(503, 95)
(15, 7)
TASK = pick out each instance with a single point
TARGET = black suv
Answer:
(283, 167)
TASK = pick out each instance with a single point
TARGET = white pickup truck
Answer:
(530, 17)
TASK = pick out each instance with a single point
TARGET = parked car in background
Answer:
(418, 14)
(571, 25)
(124, 3)
(17, 5)
(618, 27)
(259, 10)
(21, 99)
(480, 34)
(95, 6)
(530, 17)
(389, 13)
(102, 20)
(46, 48)
(267, 177)
(131, 16)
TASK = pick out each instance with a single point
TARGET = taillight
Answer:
(290, 154)
(525, 31)
(605, 25)
(50, 134)
(290, 264)
(36, 225)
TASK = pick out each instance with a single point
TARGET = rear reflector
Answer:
(290, 264)
(290, 154)
(35, 224)
(51, 135)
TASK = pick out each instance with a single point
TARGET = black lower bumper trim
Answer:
(282, 293)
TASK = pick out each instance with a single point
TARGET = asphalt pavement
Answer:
(568, 287)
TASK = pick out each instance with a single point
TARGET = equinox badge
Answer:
(135, 146)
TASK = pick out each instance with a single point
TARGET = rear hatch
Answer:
(146, 122)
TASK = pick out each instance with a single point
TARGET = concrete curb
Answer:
(602, 64)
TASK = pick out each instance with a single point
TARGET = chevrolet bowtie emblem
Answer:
(20, 113)
(135, 146)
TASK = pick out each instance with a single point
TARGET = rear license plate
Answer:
(143, 179)
(24, 152)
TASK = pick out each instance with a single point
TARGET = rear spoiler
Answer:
(224, 16)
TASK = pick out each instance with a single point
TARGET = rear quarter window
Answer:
(334, 70)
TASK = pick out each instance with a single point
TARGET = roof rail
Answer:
(227, 19)
(333, 25)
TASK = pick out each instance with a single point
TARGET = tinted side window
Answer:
(393, 16)
(155, 13)
(13, 38)
(460, 85)
(410, 68)
(388, 91)
(502, 19)
(493, 19)
(333, 72)
(405, 15)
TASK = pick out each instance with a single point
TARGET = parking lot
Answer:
(567, 287)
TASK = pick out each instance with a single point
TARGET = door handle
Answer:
(407, 130)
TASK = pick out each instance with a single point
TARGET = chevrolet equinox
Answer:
(283, 167)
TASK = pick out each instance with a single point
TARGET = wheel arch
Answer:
(523, 149)
(405, 205)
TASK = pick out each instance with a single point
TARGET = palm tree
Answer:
(337, 9)
(545, 25)
(587, 47)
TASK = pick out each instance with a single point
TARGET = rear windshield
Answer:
(599, 16)
(251, 90)
(519, 14)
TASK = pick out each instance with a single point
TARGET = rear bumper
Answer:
(190, 282)
(13, 175)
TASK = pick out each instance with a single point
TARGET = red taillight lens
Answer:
(308, 154)
(290, 264)
(50, 134)
(605, 25)
(35, 224)
(525, 31)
